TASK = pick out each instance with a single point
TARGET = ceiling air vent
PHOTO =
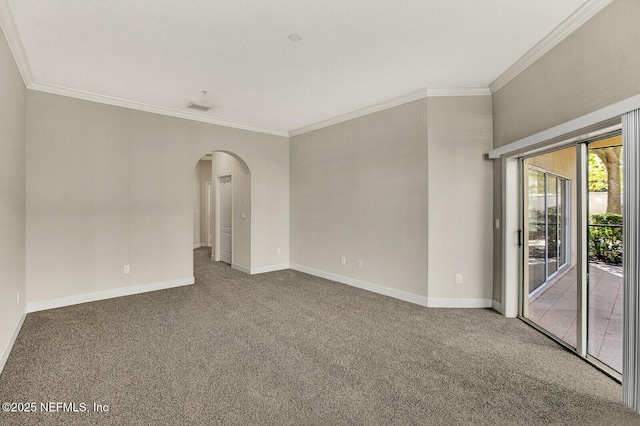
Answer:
(199, 107)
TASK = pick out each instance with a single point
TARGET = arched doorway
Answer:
(222, 208)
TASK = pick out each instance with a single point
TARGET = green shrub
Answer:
(605, 241)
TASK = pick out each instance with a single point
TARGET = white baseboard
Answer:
(386, 291)
(198, 245)
(497, 306)
(270, 268)
(458, 303)
(261, 269)
(107, 294)
(241, 268)
(12, 340)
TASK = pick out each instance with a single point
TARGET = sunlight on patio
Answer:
(555, 310)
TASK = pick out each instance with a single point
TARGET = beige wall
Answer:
(359, 190)
(108, 186)
(594, 67)
(407, 190)
(460, 198)
(224, 164)
(12, 197)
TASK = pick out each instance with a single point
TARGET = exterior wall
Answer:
(594, 67)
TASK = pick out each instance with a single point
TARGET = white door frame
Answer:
(209, 235)
(218, 248)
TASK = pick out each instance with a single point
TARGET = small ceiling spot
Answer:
(295, 37)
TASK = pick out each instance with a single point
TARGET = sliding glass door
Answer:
(605, 297)
(546, 230)
(562, 263)
(537, 229)
(549, 296)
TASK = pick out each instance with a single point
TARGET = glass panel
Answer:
(604, 328)
(537, 230)
(551, 301)
(552, 227)
(562, 230)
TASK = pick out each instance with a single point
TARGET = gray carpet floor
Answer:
(289, 348)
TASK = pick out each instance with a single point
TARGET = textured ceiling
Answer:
(354, 53)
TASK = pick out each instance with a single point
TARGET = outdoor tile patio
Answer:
(554, 309)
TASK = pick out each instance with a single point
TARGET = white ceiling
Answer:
(159, 55)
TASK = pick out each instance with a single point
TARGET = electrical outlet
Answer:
(126, 269)
(458, 278)
(344, 260)
(278, 251)
(18, 297)
(359, 263)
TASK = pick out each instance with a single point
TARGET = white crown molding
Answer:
(17, 49)
(87, 96)
(578, 18)
(414, 96)
(10, 31)
(583, 14)
(459, 91)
